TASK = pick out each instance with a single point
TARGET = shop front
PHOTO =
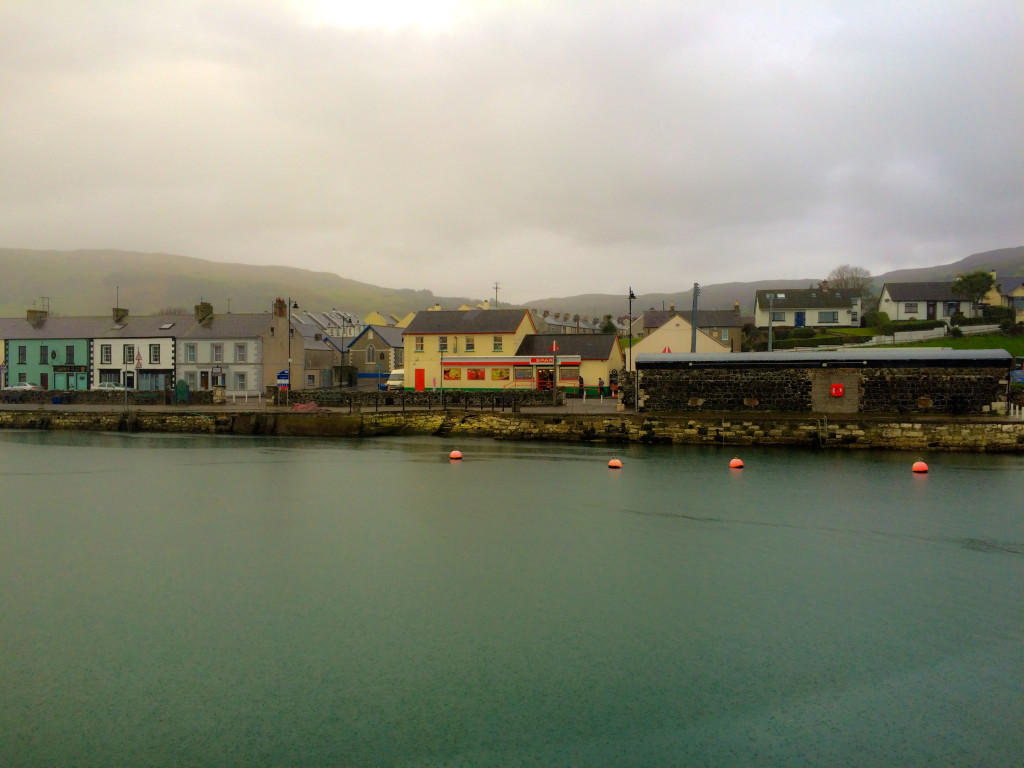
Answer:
(499, 374)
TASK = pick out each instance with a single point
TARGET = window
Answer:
(22, 355)
(310, 379)
(778, 317)
(69, 355)
(240, 381)
(828, 317)
(419, 343)
(725, 336)
(104, 354)
(455, 345)
(190, 353)
(218, 352)
(470, 344)
(371, 354)
(442, 343)
(952, 307)
(154, 353)
(910, 307)
(190, 379)
(128, 353)
(240, 354)
(496, 341)
(22, 378)
(43, 352)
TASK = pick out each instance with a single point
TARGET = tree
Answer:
(847, 277)
(973, 286)
(609, 325)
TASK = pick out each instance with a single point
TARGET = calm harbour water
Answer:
(179, 601)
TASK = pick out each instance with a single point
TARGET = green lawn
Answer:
(1012, 344)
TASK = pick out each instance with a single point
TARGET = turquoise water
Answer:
(178, 601)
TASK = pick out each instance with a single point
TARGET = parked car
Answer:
(396, 381)
(109, 386)
(21, 386)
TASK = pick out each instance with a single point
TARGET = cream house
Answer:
(821, 307)
(471, 349)
(922, 301)
(674, 337)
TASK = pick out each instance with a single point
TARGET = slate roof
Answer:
(468, 321)
(589, 346)
(847, 358)
(706, 318)
(717, 318)
(227, 326)
(801, 298)
(388, 333)
(921, 292)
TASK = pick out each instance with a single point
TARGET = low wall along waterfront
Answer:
(852, 432)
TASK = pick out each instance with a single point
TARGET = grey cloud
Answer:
(552, 147)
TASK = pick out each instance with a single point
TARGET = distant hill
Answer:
(89, 283)
(1008, 264)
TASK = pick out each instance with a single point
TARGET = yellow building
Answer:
(472, 349)
(676, 337)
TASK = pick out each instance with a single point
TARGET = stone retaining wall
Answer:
(851, 432)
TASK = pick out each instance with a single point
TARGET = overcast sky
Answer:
(554, 147)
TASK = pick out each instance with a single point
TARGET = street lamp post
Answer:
(771, 300)
(288, 391)
(442, 378)
(629, 338)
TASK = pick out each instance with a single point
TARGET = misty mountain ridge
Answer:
(90, 282)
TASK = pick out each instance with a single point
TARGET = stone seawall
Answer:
(851, 432)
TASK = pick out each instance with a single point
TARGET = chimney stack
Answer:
(736, 307)
(36, 317)
(204, 312)
(280, 307)
(120, 315)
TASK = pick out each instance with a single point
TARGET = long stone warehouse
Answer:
(938, 381)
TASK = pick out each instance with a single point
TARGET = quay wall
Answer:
(845, 432)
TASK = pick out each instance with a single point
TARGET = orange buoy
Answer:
(615, 464)
(736, 463)
(920, 467)
(455, 455)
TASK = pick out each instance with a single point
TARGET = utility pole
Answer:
(693, 335)
(496, 286)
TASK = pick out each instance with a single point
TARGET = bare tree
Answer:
(848, 277)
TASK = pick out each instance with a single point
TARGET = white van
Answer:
(396, 381)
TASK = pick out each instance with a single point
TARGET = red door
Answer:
(421, 380)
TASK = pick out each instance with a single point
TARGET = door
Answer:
(801, 319)
(544, 378)
(204, 380)
(931, 310)
(129, 379)
(421, 380)
(44, 381)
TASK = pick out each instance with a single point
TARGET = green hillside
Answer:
(90, 282)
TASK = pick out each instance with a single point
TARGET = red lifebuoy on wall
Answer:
(837, 390)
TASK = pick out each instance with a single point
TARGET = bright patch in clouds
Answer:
(391, 14)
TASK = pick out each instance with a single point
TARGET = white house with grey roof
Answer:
(822, 307)
(923, 301)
